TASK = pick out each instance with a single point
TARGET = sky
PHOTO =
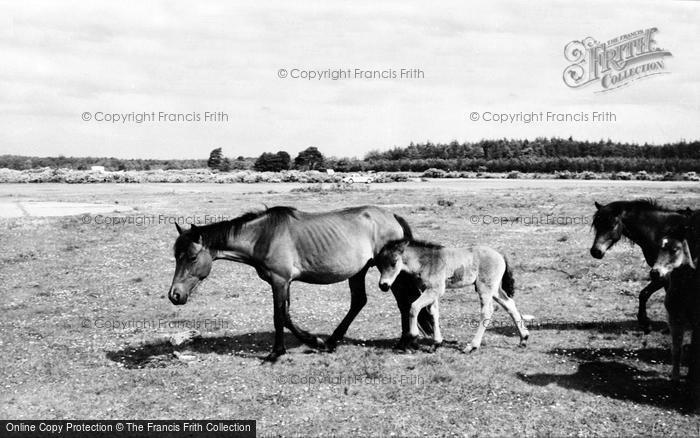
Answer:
(67, 62)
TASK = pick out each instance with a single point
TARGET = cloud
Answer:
(61, 59)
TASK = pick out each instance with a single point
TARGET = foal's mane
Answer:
(217, 235)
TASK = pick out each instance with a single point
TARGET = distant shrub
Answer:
(332, 188)
(514, 175)
(642, 176)
(434, 173)
(671, 176)
(622, 176)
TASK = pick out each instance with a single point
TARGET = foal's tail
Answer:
(507, 282)
(407, 234)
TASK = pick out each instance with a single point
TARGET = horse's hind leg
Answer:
(486, 293)
(280, 292)
(644, 296)
(358, 299)
(303, 336)
(509, 304)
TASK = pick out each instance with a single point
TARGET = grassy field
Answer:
(85, 320)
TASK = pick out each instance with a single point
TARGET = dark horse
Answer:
(644, 222)
(285, 245)
(678, 261)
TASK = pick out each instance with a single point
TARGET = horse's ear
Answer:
(597, 206)
(687, 254)
(194, 232)
(179, 230)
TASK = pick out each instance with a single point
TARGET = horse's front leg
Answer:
(694, 365)
(437, 335)
(644, 295)
(677, 331)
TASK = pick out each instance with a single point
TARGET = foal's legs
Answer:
(509, 304)
(435, 311)
(677, 331)
(644, 296)
(486, 293)
(428, 297)
(358, 299)
(406, 290)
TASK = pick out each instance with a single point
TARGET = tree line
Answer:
(543, 155)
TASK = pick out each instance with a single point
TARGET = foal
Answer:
(437, 268)
(676, 263)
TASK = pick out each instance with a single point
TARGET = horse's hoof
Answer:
(330, 345)
(407, 343)
(320, 344)
(272, 357)
(523, 341)
(470, 349)
(645, 326)
(401, 347)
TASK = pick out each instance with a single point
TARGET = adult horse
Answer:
(644, 222)
(285, 245)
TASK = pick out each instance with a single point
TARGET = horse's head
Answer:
(389, 261)
(192, 264)
(608, 226)
(674, 252)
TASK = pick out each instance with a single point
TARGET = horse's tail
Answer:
(407, 234)
(507, 282)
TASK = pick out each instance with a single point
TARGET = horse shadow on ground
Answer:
(161, 353)
(608, 327)
(618, 381)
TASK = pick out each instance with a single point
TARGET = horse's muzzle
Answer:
(384, 286)
(597, 252)
(177, 296)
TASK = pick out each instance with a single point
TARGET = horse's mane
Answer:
(395, 244)
(646, 205)
(616, 208)
(217, 235)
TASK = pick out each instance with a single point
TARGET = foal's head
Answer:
(192, 264)
(673, 254)
(389, 261)
(674, 250)
(608, 225)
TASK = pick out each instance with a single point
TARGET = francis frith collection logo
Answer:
(616, 62)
